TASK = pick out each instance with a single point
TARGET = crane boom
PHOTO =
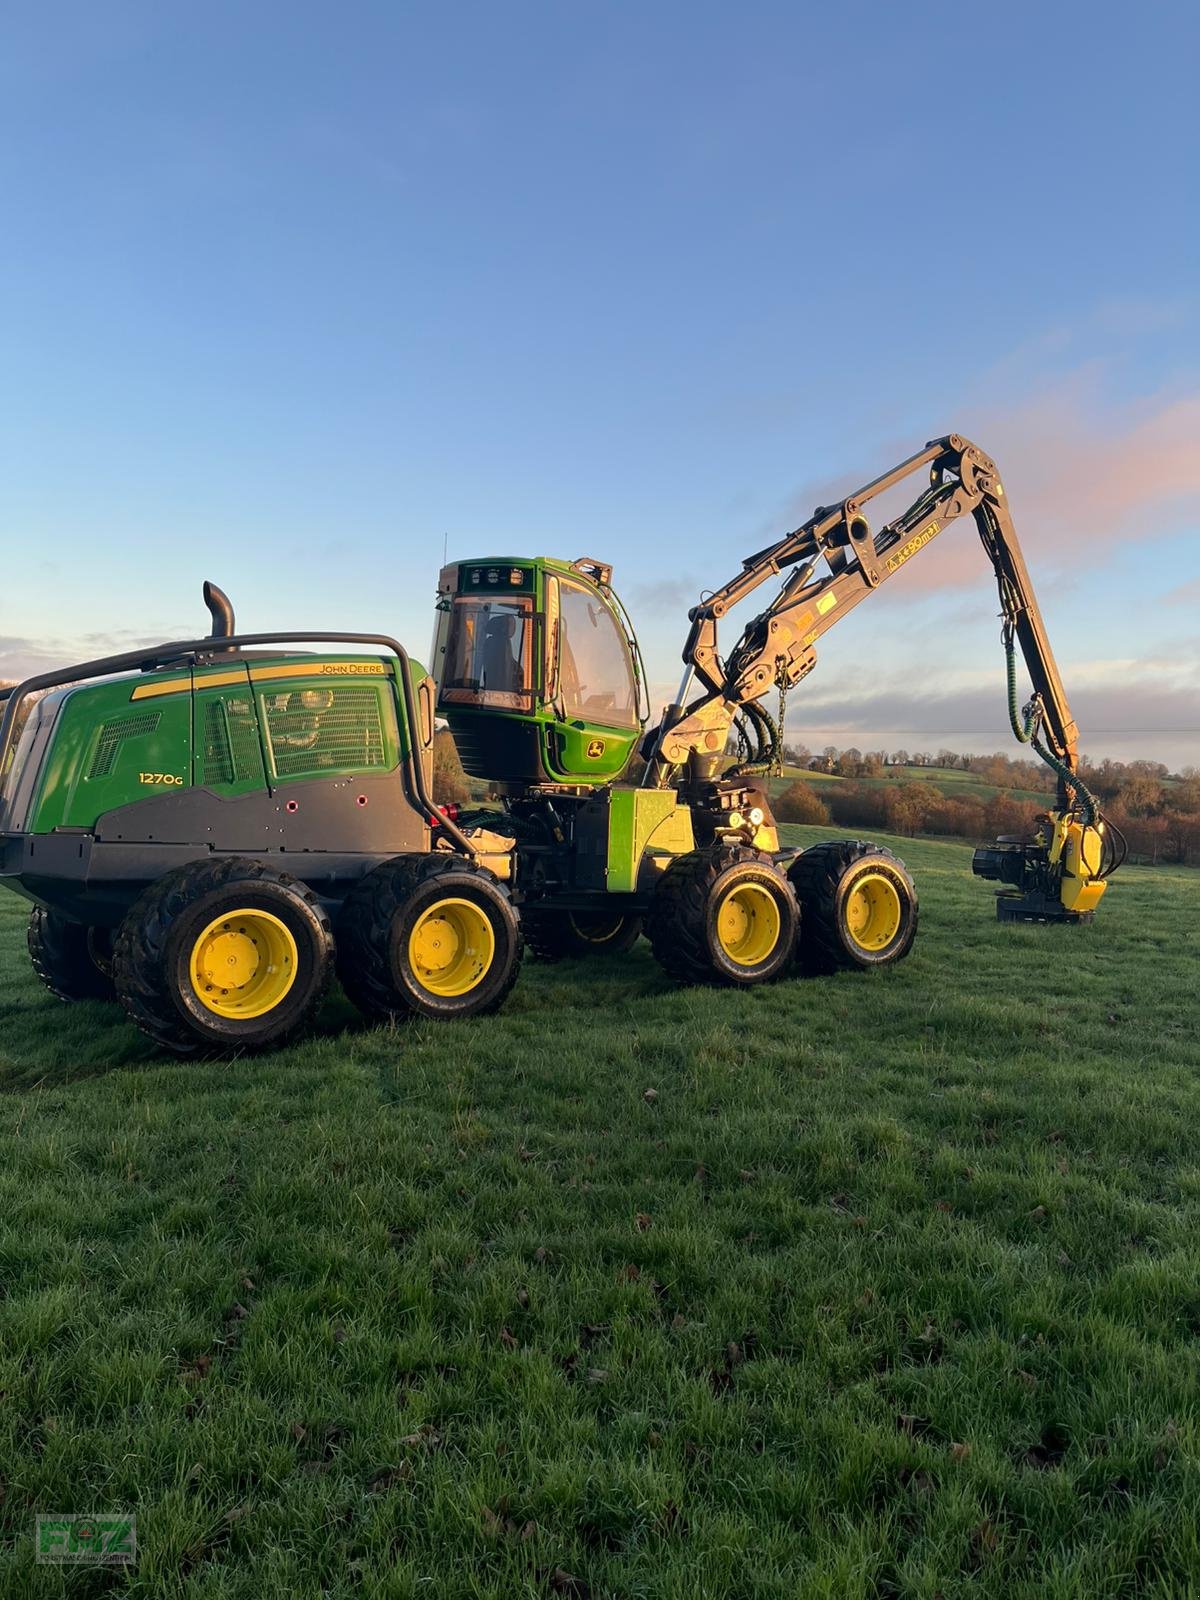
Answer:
(776, 648)
(830, 564)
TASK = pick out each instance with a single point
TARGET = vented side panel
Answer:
(322, 730)
(112, 736)
(231, 752)
(218, 758)
(243, 740)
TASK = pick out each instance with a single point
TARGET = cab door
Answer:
(591, 688)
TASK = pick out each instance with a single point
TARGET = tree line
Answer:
(1156, 810)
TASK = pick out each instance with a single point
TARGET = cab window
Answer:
(595, 674)
(489, 653)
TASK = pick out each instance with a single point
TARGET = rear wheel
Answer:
(727, 915)
(74, 962)
(434, 936)
(554, 934)
(858, 906)
(222, 956)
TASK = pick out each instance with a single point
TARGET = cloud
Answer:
(674, 596)
(24, 658)
(1090, 476)
(1123, 709)
(1086, 475)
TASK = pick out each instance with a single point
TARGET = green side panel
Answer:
(417, 676)
(641, 821)
(582, 752)
(109, 751)
(422, 736)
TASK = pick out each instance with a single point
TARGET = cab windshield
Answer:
(489, 653)
(595, 672)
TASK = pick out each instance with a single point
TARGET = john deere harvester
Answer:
(207, 828)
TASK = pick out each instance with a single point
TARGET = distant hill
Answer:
(954, 784)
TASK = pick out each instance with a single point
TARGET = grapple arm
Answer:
(830, 564)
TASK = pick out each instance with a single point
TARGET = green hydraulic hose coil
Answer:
(1026, 727)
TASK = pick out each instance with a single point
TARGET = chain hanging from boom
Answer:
(781, 683)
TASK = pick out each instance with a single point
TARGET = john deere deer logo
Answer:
(595, 749)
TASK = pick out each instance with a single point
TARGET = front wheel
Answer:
(432, 936)
(726, 915)
(223, 955)
(858, 906)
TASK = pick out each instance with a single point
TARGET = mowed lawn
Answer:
(866, 1286)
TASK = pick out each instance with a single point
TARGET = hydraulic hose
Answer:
(1024, 726)
(767, 737)
(1085, 800)
(1027, 725)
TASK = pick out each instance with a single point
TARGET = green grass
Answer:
(791, 773)
(952, 784)
(890, 1287)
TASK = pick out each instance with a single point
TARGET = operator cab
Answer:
(536, 672)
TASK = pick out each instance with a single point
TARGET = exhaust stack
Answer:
(221, 610)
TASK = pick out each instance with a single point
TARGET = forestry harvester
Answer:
(206, 828)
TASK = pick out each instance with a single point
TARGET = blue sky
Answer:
(290, 294)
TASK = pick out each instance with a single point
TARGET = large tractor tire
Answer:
(726, 915)
(223, 956)
(551, 935)
(430, 936)
(858, 907)
(74, 962)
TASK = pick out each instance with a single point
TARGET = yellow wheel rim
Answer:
(748, 924)
(873, 911)
(243, 964)
(451, 948)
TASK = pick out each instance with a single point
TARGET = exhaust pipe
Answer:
(221, 610)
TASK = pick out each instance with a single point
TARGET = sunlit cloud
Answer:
(1085, 474)
(1124, 708)
(1187, 594)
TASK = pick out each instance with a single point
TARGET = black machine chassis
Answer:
(555, 869)
(1036, 906)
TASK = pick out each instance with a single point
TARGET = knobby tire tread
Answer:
(364, 930)
(143, 981)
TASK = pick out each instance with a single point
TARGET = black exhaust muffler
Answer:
(220, 608)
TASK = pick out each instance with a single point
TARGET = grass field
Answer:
(866, 1286)
(952, 784)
